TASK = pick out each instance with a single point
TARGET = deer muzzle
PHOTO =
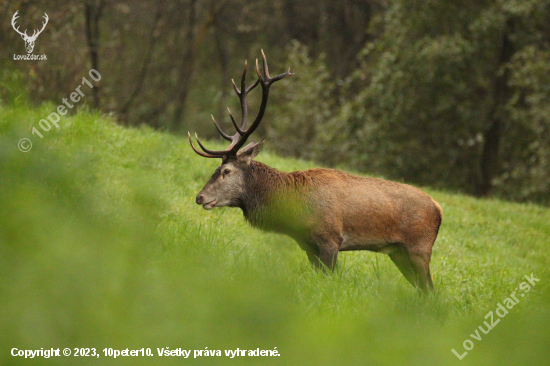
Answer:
(206, 204)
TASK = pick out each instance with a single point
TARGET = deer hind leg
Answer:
(402, 261)
(415, 267)
(421, 266)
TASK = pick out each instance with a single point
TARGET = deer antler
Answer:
(239, 139)
(13, 19)
(37, 33)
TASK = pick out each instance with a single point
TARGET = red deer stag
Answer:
(326, 211)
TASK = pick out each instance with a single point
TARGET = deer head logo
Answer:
(29, 40)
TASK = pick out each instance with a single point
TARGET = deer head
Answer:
(29, 40)
(227, 184)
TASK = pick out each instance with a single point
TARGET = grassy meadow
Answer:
(102, 246)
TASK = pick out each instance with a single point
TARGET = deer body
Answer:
(325, 210)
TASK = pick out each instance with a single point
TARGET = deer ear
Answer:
(250, 151)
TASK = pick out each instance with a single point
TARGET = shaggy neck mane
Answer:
(262, 183)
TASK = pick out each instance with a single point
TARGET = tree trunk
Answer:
(489, 163)
(223, 58)
(194, 39)
(92, 13)
(144, 68)
(186, 69)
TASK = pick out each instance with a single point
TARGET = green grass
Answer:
(102, 245)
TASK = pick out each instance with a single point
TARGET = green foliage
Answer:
(527, 158)
(303, 110)
(12, 90)
(431, 94)
(405, 89)
(421, 122)
(102, 245)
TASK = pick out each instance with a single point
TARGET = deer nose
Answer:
(200, 199)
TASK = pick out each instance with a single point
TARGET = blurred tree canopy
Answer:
(451, 94)
(456, 93)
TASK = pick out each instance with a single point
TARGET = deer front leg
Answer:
(322, 253)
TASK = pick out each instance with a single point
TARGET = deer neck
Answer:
(276, 201)
(263, 184)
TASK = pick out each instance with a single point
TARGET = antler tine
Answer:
(208, 151)
(14, 18)
(240, 132)
(244, 106)
(239, 139)
(264, 63)
(200, 152)
(224, 135)
(243, 89)
(266, 82)
(243, 78)
(253, 86)
(13, 24)
(242, 98)
(235, 87)
(281, 76)
(43, 24)
(46, 18)
(242, 93)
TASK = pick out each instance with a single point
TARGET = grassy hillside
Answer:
(102, 245)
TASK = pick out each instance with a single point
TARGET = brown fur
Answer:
(327, 211)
